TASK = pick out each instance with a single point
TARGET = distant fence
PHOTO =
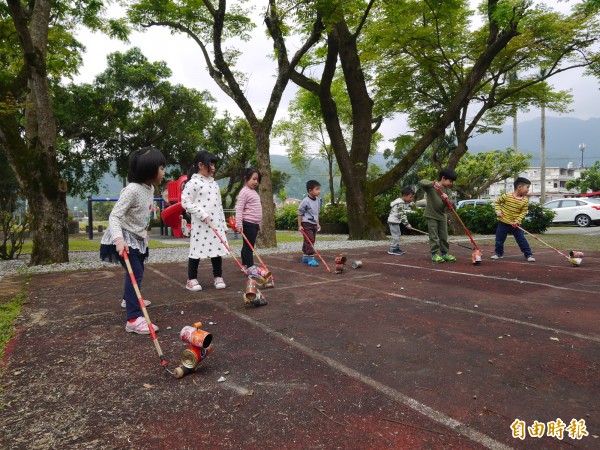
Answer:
(114, 199)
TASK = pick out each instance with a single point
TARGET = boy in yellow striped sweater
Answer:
(511, 210)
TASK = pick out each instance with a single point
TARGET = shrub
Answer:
(333, 214)
(416, 219)
(479, 219)
(287, 218)
(538, 218)
(12, 234)
(482, 219)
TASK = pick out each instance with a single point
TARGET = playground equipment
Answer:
(172, 215)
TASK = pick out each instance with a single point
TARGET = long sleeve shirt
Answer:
(398, 212)
(309, 210)
(248, 207)
(436, 206)
(131, 213)
(513, 208)
(201, 197)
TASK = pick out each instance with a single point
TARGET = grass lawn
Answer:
(9, 310)
(81, 242)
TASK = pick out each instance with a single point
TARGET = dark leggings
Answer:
(250, 231)
(217, 265)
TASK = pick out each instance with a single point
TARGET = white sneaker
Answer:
(193, 285)
(219, 283)
(146, 303)
(140, 326)
(530, 259)
(252, 272)
(496, 257)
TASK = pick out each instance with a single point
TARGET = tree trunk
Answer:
(363, 222)
(33, 159)
(331, 183)
(543, 157)
(268, 237)
(515, 134)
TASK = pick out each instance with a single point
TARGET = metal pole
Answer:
(90, 219)
(582, 149)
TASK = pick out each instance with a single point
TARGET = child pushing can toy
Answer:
(435, 213)
(511, 209)
(248, 217)
(127, 229)
(400, 207)
(201, 197)
(308, 221)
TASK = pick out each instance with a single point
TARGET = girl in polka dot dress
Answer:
(201, 197)
(127, 227)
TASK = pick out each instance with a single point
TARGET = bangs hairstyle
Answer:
(311, 184)
(251, 171)
(205, 158)
(144, 164)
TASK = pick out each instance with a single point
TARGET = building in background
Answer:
(556, 179)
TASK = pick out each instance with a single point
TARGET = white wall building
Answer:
(556, 179)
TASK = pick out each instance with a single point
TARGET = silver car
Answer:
(580, 211)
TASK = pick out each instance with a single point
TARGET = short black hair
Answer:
(251, 171)
(521, 181)
(407, 190)
(311, 184)
(448, 173)
(144, 164)
(203, 157)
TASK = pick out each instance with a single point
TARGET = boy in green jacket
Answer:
(435, 213)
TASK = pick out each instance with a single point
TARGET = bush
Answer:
(12, 234)
(287, 218)
(479, 219)
(538, 219)
(416, 219)
(154, 223)
(482, 219)
(333, 214)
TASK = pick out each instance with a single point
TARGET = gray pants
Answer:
(438, 235)
(395, 232)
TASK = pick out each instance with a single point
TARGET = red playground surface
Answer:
(400, 353)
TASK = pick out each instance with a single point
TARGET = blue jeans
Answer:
(136, 259)
(503, 230)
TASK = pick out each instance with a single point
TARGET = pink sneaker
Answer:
(193, 285)
(140, 326)
(219, 283)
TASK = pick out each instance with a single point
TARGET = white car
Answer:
(473, 202)
(580, 211)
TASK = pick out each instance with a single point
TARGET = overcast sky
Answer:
(185, 60)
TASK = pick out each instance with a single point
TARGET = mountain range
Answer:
(563, 136)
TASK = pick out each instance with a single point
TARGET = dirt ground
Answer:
(400, 353)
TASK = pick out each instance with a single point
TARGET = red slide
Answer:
(171, 216)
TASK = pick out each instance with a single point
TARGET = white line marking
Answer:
(501, 318)
(410, 402)
(491, 277)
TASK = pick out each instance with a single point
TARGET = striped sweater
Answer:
(512, 208)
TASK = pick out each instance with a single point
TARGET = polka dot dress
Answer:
(201, 198)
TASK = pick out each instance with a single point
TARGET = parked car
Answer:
(473, 202)
(580, 211)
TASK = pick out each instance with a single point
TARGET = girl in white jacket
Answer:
(201, 197)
